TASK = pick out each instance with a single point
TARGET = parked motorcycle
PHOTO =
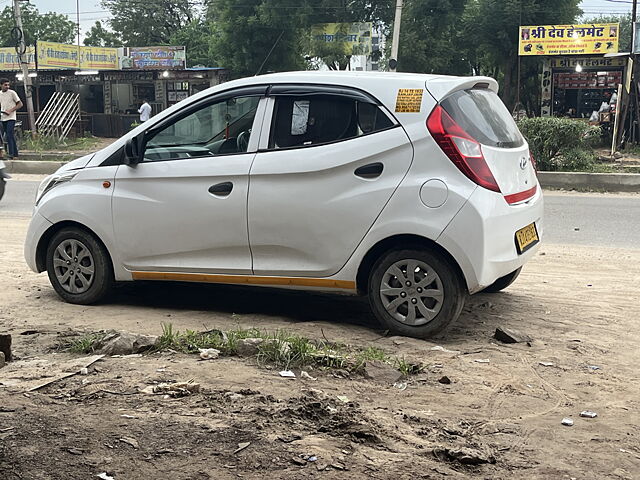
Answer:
(3, 178)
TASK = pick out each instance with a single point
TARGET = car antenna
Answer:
(269, 54)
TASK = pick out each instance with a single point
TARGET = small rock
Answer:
(481, 360)
(382, 372)
(588, 414)
(507, 335)
(617, 155)
(567, 422)
(299, 461)
(84, 371)
(209, 353)
(2, 362)
(122, 343)
(5, 346)
(546, 364)
(444, 380)
(304, 374)
(464, 455)
(130, 441)
(248, 347)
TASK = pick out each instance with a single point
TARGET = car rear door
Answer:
(332, 160)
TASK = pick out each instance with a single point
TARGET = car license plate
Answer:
(526, 238)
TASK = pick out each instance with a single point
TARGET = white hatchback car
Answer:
(414, 189)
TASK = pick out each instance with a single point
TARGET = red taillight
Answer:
(461, 148)
(533, 162)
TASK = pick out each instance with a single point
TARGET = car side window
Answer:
(300, 121)
(220, 128)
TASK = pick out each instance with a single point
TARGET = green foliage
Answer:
(560, 143)
(86, 343)
(195, 36)
(149, 23)
(41, 143)
(47, 27)
(99, 36)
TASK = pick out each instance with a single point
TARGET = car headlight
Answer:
(52, 181)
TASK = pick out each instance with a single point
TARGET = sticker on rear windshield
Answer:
(409, 100)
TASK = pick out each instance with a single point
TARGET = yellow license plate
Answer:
(526, 238)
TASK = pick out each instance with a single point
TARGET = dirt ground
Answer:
(579, 304)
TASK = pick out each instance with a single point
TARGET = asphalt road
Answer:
(570, 218)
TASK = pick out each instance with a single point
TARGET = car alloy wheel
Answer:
(74, 266)
(412, 292)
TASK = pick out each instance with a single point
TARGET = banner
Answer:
(99, 58)
(59, 56)
(355, 37)
(588, 62)
(154, 58)
(569, 39)
(9, 61)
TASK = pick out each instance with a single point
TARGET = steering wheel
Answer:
(243, 141)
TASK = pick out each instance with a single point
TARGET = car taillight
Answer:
(461, 148)
(533, 162)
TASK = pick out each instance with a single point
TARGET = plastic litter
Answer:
(209, 353)
(304, 374)
(567, 422)
(439, 348)
(546, 364)
(481, 360)
(343, 398)
(104, 476)
(241, 446)
(588, 414)
(84, 371)
(287, 374)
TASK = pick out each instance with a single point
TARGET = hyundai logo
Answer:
(523, 163)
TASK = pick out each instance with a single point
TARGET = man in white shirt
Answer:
(9, 103)
(144, 111)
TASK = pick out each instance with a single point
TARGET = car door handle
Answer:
(221, 189)
(372, 170)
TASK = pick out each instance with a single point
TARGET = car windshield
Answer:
(481, 113)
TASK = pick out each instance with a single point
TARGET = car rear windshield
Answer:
(481, 113)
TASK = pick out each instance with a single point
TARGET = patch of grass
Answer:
(282, 349)
(86, 343)
(41, 143)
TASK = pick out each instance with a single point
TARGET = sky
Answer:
(90, 10)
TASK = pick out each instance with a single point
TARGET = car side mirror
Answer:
(134, 150)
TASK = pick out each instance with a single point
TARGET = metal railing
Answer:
(59, 115)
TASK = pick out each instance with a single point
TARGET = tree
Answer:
(48, 27)
(99, 36)
(195, 37)
(147, 23)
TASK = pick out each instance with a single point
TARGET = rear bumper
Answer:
(481, 237)
(37, 227)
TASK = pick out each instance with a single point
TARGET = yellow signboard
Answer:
(58, 56)
(569, 39)
(355, 37)
(10, 62)
(99, 58)
(409, 100)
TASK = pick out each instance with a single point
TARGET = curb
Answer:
(609, 182)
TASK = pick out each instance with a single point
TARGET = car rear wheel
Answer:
(79, 266)
(503, 282)
(415, 293)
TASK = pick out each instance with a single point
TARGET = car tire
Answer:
(3, 184)
(503, 282)
(435, 293)
(79, 266)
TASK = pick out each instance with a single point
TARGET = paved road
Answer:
(570, 218)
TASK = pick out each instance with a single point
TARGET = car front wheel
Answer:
(415, 293)
(79, 266)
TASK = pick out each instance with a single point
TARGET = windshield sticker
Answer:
(409, 100)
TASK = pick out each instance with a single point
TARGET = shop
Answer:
(580, 85)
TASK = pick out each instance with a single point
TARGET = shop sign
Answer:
(10, 61)
(128, 76)
(569, 39)
(99, 58)
(60, 56)
(154, 58)
(588, 62)
(355, 38)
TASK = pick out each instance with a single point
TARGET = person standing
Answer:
(144, 111)
(9, 104)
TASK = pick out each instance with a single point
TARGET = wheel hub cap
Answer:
(73, 266)
(412, 292)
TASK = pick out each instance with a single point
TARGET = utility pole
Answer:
(21, 49)
(393, 62)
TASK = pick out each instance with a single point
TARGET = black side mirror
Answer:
(134, 150)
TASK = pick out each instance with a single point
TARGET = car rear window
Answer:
(481, 113)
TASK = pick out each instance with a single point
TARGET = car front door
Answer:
(183, 208)
(329, 165)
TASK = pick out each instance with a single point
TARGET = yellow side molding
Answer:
(246, 280)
